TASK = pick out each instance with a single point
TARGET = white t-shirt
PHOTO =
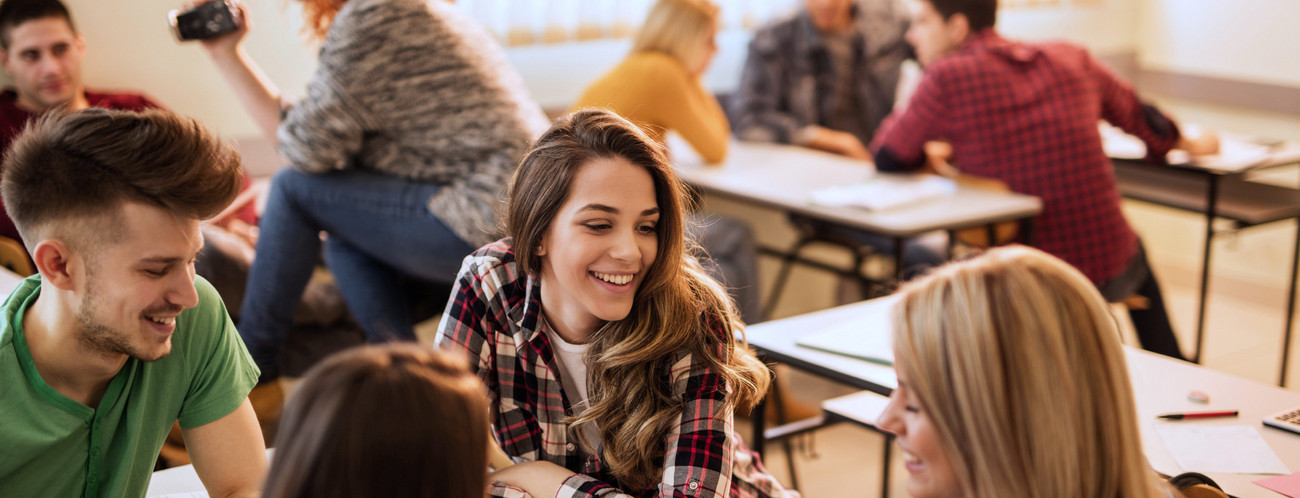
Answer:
(571, 359)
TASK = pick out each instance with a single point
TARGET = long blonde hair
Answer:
(1016, 359)
(677, 308)
(677, 28)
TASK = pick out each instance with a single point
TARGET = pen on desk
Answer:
(1180, 416)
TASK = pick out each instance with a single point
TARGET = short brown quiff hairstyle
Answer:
(14, 13)
(74, 166)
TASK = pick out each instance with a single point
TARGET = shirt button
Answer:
(694, 485)
(569, 446)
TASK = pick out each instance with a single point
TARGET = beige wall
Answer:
(1107, 28)
(1251, 40)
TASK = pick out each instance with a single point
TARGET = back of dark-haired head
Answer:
(390, 420)
(15, 12)
(979, 14)
(75, 166)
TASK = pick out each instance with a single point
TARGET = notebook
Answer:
(885, 192)
(864, 338)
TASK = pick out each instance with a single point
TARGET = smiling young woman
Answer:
(611, 357)
(1012, 382)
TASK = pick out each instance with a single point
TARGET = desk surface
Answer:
(784, 177)
(1160, 385)
(1237, 153)
(8, 281)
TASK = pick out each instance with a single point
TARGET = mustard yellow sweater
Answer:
(654, 90)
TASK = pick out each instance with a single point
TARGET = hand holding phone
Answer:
(204, 21)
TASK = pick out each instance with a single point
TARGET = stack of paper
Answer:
(1234, 449)
(1236, 153)
(885, 192)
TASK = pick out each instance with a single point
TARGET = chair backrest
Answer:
(14, 257)
(1196, 485)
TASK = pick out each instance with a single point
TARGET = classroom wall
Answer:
(1250, 40)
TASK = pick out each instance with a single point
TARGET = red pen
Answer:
(1180, 416)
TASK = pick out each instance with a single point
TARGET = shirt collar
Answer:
(988, 40)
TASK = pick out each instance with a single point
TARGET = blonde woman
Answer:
(611, 359)
(1011, 382)
(658, 85)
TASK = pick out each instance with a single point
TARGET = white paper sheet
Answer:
(1231, 449)
(883, 192)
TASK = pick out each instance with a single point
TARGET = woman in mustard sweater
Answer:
(658, 86)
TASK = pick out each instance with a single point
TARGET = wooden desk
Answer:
(1160, 385)
(1220, 190)
(784, 177)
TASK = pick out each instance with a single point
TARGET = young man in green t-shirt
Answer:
(115, 339)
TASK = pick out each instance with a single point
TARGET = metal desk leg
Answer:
(1027, 231)
(898, 261)
(1211, 201)
(1290, 306)
(884, 477)
(757, 416)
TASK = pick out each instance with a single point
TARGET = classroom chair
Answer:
(1197, 485)
(13, 256)
(812, 231)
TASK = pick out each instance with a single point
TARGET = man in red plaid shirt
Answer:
(1026, 115)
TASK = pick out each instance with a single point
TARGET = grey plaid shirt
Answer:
(789, 78)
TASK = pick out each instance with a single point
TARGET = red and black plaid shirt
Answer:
(1027, 114)
(494, 313)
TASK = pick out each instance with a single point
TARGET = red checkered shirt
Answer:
(494, 313)
(1027, 114)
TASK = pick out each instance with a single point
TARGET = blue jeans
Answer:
(382, 238)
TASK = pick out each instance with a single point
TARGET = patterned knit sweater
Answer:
(413, 89)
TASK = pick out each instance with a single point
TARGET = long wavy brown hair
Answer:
(677, 308)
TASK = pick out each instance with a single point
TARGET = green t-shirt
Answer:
(53, 446)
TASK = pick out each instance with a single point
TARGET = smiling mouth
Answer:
(161, 320)
(612, 278)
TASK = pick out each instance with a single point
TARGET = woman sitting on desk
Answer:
(1011, 382)
(611, 359)
(658, 87)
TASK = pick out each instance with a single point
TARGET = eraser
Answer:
(1198, 397)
